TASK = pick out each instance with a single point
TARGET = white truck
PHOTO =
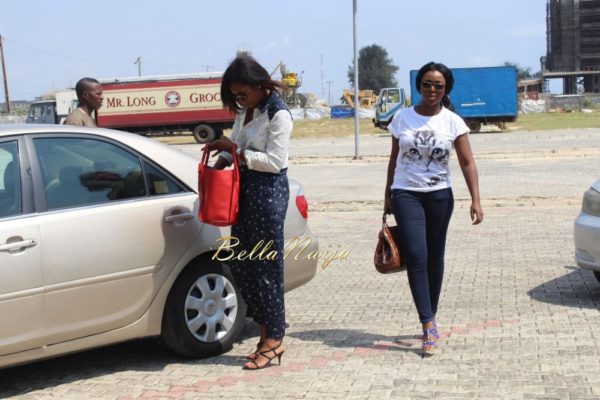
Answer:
(389, 101)
(53, 111)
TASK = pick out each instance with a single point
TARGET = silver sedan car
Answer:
(587, 231)
(100, 243)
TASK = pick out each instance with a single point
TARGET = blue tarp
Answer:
(342, 112)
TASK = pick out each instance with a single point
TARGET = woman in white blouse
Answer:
(261, 132)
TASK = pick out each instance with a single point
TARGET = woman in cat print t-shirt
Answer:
(418, 188)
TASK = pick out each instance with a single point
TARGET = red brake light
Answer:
(302, 205)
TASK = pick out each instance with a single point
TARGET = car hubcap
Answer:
(211, 307)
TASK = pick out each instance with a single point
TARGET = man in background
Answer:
(89, 94)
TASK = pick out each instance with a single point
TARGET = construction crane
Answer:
(291, 82)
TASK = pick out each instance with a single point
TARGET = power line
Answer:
(50, 52)
(46, 66)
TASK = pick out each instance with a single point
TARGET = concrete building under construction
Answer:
(573, 44)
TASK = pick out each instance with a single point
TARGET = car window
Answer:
(10, 182)
(81, 171)
(159, 183)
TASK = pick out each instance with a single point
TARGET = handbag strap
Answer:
(206, 153)
(384, 220)
(235, 158)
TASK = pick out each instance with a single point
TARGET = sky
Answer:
(49, 45)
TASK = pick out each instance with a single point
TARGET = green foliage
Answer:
(522, 72)
(376, 69)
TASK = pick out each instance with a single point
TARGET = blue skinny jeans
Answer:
(423, 219)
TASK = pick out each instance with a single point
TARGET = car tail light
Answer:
(302, 205)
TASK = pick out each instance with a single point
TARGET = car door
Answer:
(21, 286)
(115, 225)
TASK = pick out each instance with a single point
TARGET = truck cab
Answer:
(42, 112)
(389, 101)
(53, 111)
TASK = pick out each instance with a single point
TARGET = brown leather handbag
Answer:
(388, 258)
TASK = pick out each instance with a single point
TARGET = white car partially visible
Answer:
(587, 231)
(100, 243)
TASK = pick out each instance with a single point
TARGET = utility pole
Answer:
(138, 61)
(322, 78)
(4, 76)
(207, 67)
(329, 93)
(356, 101)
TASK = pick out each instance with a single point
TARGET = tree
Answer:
(375, 69)
(522, 72)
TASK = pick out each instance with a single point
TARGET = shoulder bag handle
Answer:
(384, 220)
(206, 153)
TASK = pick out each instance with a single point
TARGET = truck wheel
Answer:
(205, 311)
(474, 125)
(204, 134)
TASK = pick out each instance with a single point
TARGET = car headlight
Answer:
(591, 202)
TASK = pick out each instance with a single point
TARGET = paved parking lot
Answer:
(518, 320)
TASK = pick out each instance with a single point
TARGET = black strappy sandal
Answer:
(265, 354)
(252, 356)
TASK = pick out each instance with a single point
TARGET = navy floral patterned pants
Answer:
(263, 205)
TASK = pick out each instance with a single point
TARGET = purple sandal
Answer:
(430, 338)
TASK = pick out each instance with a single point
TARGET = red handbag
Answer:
(219, 191)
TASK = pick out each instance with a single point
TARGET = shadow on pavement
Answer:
(138, 355)
(578, 289)
(358, 339)
(150, 355)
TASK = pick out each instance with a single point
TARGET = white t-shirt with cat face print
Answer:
(425, 144)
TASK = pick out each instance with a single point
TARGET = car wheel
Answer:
(597, 275)
(204, 313)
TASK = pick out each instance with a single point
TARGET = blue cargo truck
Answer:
(486, 95)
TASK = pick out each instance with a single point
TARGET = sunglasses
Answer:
(241, 96)
(430, 85)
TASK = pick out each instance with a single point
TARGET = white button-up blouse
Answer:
(265, 139)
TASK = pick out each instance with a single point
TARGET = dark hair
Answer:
(245, 70)
(83, 85)
(439, 67)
